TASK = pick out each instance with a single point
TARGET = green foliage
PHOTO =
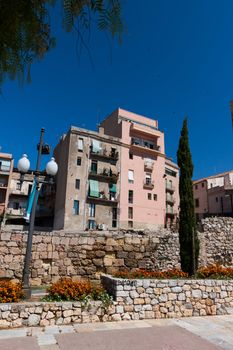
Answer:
(25, 30)
(189, 245)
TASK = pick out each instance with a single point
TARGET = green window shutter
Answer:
(112, 188)
(94, 188)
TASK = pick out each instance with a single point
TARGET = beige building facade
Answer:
(116, 177)
(6, 168)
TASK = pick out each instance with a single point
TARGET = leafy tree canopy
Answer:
(25, 30)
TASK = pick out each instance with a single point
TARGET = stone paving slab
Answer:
(22, 343)
(162, 338)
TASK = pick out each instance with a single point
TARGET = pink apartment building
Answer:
(6, 167)
(144, 182)
(213, 195)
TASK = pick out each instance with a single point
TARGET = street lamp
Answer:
(23, 167)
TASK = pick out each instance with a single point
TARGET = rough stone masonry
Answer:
(89, 254)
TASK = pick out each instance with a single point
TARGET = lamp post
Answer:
(51, 169)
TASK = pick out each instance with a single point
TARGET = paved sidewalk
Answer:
(205, 333)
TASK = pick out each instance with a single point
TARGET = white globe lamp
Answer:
(23, 164)
(52, 167)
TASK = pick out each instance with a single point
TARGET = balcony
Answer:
(19, 213)
(105, 176)
(148, 165)
(170, 211)
(148, 183)
(170, 187)
(170, 199)
(104, 155)
(3, 186)
(19, 192)
(149, 149)
(103, 199)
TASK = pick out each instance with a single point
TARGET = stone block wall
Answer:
(145, 298)
(89, 254)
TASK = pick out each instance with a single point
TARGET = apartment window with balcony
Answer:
(92, 210)
(130, 224)
(77, 184)
(94, 166)
(79, 161)
(197, 202)
(76, 207)
(148, 179)
(130, 196)
(114, 217)
(130, 212)
(80, 145)
(155, 197)
(149, 196)
(131, 176)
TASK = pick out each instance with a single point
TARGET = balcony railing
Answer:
(15, 212)
(148, 183)
(170, 211)
(3, 185)
(107, 176)
(170, 187)
(104, 154)
(104, 199)
(170, 199)
(148, 165)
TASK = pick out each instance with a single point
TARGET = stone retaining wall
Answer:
(88, 254)
(145, 298)
(134, 300)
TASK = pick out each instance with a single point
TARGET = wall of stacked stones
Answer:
(145, 298)
(89, 254)
(134, 300)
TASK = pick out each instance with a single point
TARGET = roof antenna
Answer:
(98, 118)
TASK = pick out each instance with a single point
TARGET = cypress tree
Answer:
(189, 245)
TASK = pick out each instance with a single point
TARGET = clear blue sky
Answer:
(176, 59)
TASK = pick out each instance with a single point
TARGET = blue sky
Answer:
(176, 60)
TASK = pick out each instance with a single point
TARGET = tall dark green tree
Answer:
(189, 246)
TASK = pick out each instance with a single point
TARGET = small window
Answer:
(79, 161)
(18, 186)
(94, 166)
(149, 196)
(197, 202)
(203, 184)
(114, 217)
(80, 145)
(92, 210)
(76, 207)
(130, 155)
(131, 176)
(77, 184)
(216, 199)
(91, 224)
(130, 213)
(130, 196)
(130, 224)
(155, 197)
(196, 187)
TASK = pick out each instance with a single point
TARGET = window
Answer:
(130, 213)
(130, 155)
(113, 152)
(130, 196)
(149, 196)
(77, 184)
(131, 176)
(92, 210)
(148, 179)
(94, 166)
(203, 184)
(197, 202)
(196, 187)
(170, 172)
(5, 165)
(216, 199)
(76, 207)
(80, 145)
(114, 217)
(79, 161)
(155, 197)
(91, 224)
(15, 205)
(130, 224)
(18, 186)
